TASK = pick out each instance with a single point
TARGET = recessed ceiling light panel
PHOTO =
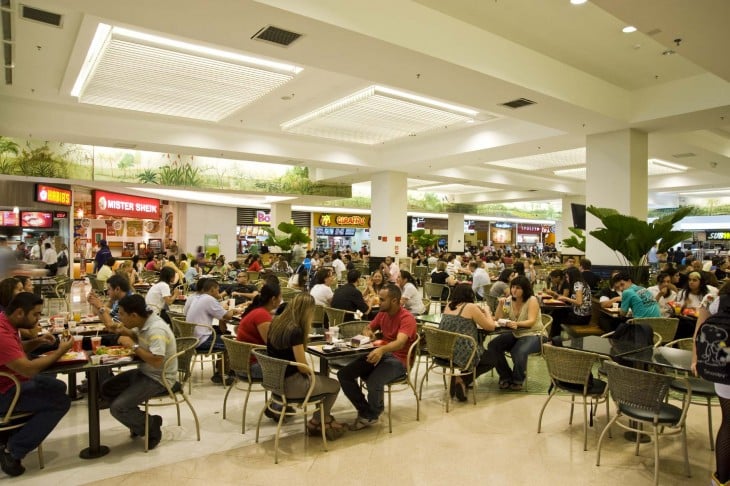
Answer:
(142, 72)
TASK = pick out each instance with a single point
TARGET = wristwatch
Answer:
(135, 347)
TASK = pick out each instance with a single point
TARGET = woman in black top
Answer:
(287, 339)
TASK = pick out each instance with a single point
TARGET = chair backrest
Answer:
(666, 327)
(547, 323)
(274, 373)
(253, 276)
(436, 292)
(492, 302)
(349, 330)
(239, 354)
(187, 329)
(413, 353)
(318, 316)
(7, 418)
(567, 365)
(335, 317)
(288, 294)
(441, 344)
(683, 343)
(184, 358)
(595, 311)
(641, 389)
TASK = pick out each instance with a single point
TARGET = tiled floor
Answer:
(494, 442)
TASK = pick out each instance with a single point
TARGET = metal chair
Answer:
(335, 317)
(441, 345)
(253, 276)
(174, 393)
(641, 397)
(421, 274)
(702, 389)
(13, 419)
(435, 293)
(274, 371)
(318, 319)
(239, 359)
(407, 380)
(666, 327)
(187, 329)
(348, 330)
(570, 371)
(492, 302)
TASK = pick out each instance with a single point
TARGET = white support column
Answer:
(389, 196)
(616, 178)
(280, 213)
(456, 233)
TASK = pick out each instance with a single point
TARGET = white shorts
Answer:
(722, 391)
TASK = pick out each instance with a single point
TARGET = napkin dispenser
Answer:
(359, 340)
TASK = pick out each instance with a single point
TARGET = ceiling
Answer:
(584, 75)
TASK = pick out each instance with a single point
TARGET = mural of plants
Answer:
(40, 162)
(9, 150)
(148, 176)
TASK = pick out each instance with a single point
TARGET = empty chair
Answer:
(335, 317)
(665, 327)
(187, 329)
(174, 393)
(641, 396)
(570, 371)
(239, 359)
(274, 372)
(437, 293)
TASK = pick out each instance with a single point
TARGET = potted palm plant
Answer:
(293, 234)
(631, 238)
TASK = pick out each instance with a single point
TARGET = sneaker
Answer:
(10, 465)
(362, 423)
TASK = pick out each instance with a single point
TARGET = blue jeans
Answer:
(376, 377)
(45, 396)
(125, 392)
(519, 348)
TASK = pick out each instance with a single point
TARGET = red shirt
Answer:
(248, 327)
(10, 349)
(403, 322)
(255, 267)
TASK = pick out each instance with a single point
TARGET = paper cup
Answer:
(614, 305)
(78, 344)
(95, 343)
(231, 303)
(335, 332)
(96, 359)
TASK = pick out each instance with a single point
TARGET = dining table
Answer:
(605, 346)
(95, 448)
(342, 353)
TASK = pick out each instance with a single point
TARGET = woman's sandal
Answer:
(333, 429)
(314, 429)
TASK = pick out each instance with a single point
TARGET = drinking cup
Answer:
(231, 303)
(95, 359)
(335, 331)
(614, 305)
(59, 322)
(95, 343)
(78, 344)
(77, 316)
(72, 326)
(328, 337)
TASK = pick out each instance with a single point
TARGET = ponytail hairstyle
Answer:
(270, 290)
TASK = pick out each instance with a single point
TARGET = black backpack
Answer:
(62, 259)
(713, 345)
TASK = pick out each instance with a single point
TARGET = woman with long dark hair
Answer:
(160, 296)
(694, 291)
(256, 319)
(579, 299)
(287, 339)
(411, 298)
(522, 311)
(462, 315)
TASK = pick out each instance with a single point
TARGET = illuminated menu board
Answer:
(36, 219)
(9, 218)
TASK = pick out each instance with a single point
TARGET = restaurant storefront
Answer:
(338, 231)
(501, 234)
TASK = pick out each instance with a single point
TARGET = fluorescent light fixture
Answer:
(213, 197)
(668, 165)
(578, 2)
(577, 173)
(629, 29)
(377, 114)
(138, 71)
(725, 191)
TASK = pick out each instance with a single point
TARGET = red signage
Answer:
(36, 219)
(52, 195)
(9, 218)
(529, 228)
(113, 204)
(60, 215)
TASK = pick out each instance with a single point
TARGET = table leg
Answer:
(73, 393)
(95, 448)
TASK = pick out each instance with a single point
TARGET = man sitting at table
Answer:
(202, 308)
(635, 298)
(348, 297)
(152, 342)
(479, 278)
(43, 395)
(664, 292)
(611, 294)
(242, 291)
(384, 363)
(117, 288)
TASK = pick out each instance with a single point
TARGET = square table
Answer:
(326, 356)
(663, 356)
(613, 348)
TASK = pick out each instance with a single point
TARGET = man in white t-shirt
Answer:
(203, 309)
(338, 266)
(50, 258)
(479, 278)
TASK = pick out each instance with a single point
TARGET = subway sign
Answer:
(718, 235)
(113, 204)
(52, 195)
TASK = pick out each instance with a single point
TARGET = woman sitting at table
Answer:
(220, 267)
(256, 319)
(160, 296)
(691, 295)
(410, 296)
(126, 270)
(580, 300)
(462, 315)
(375, 284)
(522, 310)
(287, 339)
(322, 289)
(255, 264)
(558, 286)
(500, 288)
(298, 280)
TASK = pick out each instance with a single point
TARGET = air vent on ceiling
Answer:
(38, 15)
(684, 155)
(518, 103)
(276, 35)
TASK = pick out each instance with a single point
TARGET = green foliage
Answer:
(577, 241)
(180, 175)
(148, 176)
(632, 238)
(294, 234)
(126, 162)
(41, 162)
(424, 240)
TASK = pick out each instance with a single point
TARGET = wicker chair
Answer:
(253, 276)
(640, 396)
(335, 317)
(441, 345)
(318, 319)
(406, 381)
(570, 371)
(187, 329)
(666, 327)
(288, 294)
(348, 330)
(274, 371)
(434, 292)
(12, 419)
(492, 302)
(174, 393)
(420, 273)
(98, 286)
(239, 359)
(703, 391)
